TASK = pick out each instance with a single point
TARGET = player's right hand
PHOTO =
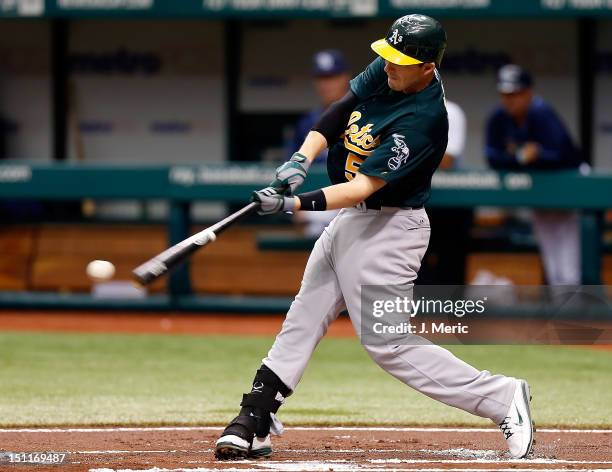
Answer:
(291, 174)
(271, 201)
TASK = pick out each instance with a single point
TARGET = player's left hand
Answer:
(291, 174)
(271, 201)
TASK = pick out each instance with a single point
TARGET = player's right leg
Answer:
(317, 304)
(390, 257)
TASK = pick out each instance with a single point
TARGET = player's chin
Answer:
(394, 84)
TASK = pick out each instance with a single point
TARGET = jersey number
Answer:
(352, 166)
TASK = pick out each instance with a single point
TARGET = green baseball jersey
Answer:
(400, 138)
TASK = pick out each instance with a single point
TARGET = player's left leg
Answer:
(390, 248)
(317, 304)
(248, 434)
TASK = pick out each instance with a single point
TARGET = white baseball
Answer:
(101, 270)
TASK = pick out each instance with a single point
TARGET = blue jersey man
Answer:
(525, 133)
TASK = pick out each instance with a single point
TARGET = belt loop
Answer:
(361, 206)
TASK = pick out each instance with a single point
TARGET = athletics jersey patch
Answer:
(359, 138)
(359, 142)
(401, 150)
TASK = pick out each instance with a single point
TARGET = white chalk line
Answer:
(334, 465)
(374, 465)
(295, 428)
(338, 465)
(336, 468)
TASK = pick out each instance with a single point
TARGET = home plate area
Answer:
(311, 449)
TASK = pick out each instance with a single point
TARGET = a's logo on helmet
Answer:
(396, 37)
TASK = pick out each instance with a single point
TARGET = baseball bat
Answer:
(169, 259)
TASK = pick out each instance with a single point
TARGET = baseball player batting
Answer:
(386, 138)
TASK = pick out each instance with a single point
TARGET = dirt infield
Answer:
(134, 322)
(314, 449)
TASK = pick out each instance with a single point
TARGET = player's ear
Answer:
(428, 67)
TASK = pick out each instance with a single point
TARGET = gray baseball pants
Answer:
(379, 247)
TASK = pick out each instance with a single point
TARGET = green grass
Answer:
(82, 379)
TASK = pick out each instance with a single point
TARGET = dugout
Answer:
(166, 83)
